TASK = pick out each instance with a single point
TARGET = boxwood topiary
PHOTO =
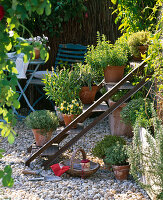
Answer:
(100, 148)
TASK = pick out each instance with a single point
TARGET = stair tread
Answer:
(48, 152)
(77, 130)
(100, 108)
(125, 86)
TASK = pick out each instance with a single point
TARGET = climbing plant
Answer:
(136, 15)
(12, 13)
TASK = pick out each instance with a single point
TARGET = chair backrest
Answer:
(70, 54)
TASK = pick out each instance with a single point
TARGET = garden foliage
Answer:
(12, 15)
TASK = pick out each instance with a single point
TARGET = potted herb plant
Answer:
(88, 81)
(138, 44)
(109, 58)
(62, 86)
(117, 156)
(99, 150)
(42, 123)
(70, 110)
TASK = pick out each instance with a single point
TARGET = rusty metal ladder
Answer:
(64, 133)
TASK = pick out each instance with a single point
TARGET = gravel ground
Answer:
(102, 185)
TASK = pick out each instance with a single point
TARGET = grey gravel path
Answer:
(102, 185)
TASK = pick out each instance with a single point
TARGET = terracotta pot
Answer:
(41, 139)
(113, 73)
(142, 50)
(117, 127)
(87, 96)
(68, 119)
(121, 172)
(37, 53)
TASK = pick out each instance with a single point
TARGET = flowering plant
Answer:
(38, 41)
(75, 107)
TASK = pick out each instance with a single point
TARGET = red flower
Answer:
(2, 13)
(86, 15)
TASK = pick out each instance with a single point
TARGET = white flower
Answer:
(11, 33)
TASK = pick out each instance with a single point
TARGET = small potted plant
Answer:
(88, 81)
(37, 43)
(108, 58)
(99, 149)
(117, 156)
(42, 123)
(138, 44)
(70, 110)
(62, 86)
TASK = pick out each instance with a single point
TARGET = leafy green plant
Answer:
(122, 42)
(75, 107)
(104, 54)
(137, 39)
(87, 77)
(118, 95)
(62, 86)
(134, 108)
(42, 119)
(100, 148)
(117, 155)
(12, 14)
(136, 15)
(116, 56)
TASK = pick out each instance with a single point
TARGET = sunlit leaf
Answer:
(8, 47)
(8, 169)
(11, 138)
(7, 181)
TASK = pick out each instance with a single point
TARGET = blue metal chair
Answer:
(68, 54)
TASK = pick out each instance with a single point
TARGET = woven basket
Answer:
(75, 166)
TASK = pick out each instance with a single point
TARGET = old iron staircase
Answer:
(67, 130)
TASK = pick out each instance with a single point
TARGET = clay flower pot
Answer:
(40, 138)
(113, 73)
(87, 96)
(121, 172)
(37, 53)
(142, 50)
(68, 119)
(117, 127)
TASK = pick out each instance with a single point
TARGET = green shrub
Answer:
(104, 54)
(137, 39)
(106, 142)
(42, 119)
(87, 76)
(117, 155)
(62, 86)
(118, 95)
(122, 42)
(135, 108)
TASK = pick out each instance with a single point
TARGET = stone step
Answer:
(101, 108)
